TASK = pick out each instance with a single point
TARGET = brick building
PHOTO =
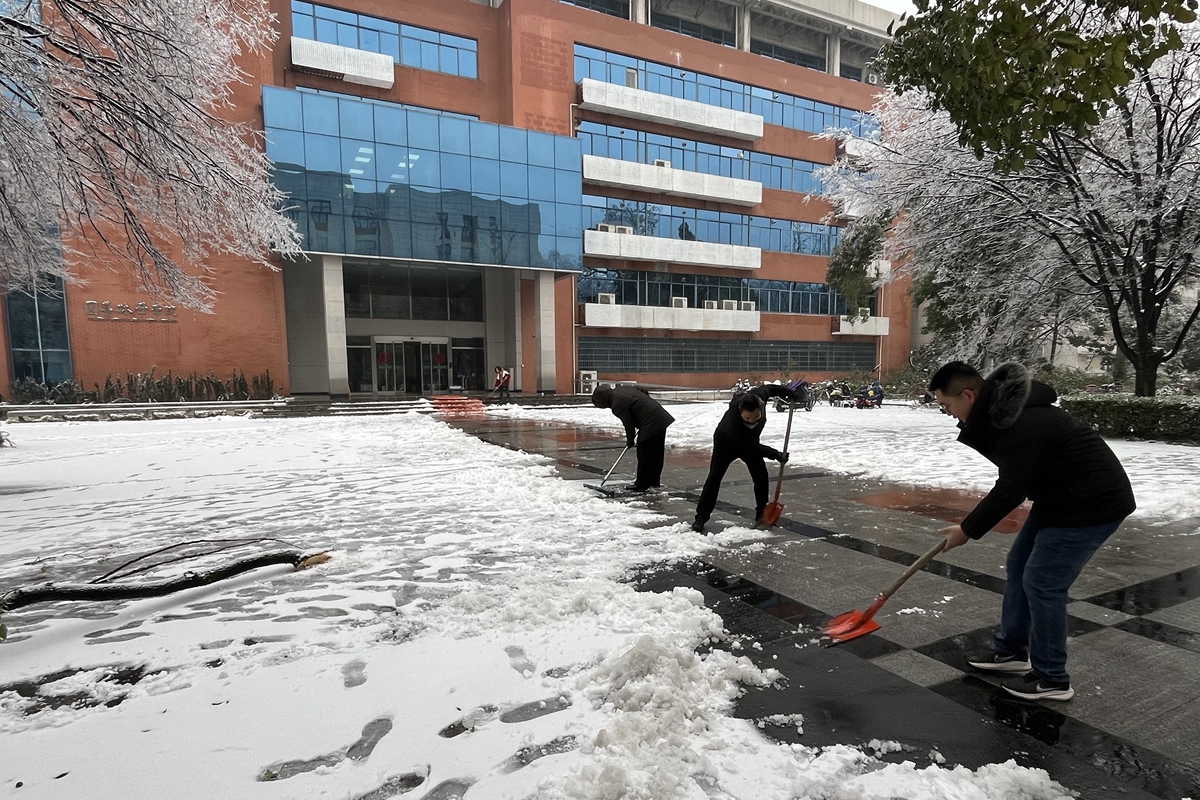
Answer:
(563, 188)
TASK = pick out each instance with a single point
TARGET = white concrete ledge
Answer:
(604, 315)
(601, 171)
(609, 98)
(354, 66)
(630, 247)
(872, 326)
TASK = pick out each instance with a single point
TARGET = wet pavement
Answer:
(1133, 728)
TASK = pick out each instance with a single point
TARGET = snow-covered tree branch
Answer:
(114, 135)
(1109, 220)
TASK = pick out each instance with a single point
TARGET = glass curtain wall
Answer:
(375, 178)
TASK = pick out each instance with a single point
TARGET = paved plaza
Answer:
(1133, 728)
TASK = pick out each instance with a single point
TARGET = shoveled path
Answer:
(1133, 728)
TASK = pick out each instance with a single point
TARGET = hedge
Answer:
(1171, 419)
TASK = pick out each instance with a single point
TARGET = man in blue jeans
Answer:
(1080, 495)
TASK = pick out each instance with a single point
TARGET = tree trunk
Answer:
(1145, 372)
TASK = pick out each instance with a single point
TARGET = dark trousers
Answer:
(1041, 567)
(651, 450)
(722, 457)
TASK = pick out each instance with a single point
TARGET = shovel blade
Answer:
(850, 625)
(772, 513)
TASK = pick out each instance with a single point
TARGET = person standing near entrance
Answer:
(503, 378)
(736, 438)
(644, 416)
(1080, 495)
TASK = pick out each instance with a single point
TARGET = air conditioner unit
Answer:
(679, 302)
(587, 381)
(729, 305)
(622, 229)
(661, 162)
(749, 305)
(606, 299)
(872, 79)
(710, 303)
(604, 227)
(864, 313)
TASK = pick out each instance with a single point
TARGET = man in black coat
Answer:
(643, 415)
(736, 438)
(1080, 495)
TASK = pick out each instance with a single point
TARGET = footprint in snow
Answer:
(522, 713)
(516, 657)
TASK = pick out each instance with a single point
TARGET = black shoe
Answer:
(698, 525)
(994, 662)
(635, 489)
(1032, 687)
(760, 525)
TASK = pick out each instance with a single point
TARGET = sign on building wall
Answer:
(105, 311)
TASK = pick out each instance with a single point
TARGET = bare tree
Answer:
(113, 135)
(1110, 219)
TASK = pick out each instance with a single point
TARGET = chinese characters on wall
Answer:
(104, 311)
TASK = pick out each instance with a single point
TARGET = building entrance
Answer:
(406, 365)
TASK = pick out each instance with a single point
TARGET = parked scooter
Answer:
(806, 396)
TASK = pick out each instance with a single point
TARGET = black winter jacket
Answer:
(734, 435)
(1043, 454)
(636, 409)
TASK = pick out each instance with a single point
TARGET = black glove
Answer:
(782, 458)
(629, 442)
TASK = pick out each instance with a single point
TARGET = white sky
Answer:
(467, 582)
(895, 6)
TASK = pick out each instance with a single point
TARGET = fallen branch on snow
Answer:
(51, 592)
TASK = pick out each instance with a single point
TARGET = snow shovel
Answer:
(600, 487)
(854, 624)
(774, 508)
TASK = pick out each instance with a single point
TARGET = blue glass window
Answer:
(37, 333)
(774, 172)
(719, 227)
(370, 177)
(409, 45)
(776, 108)
(645, 288)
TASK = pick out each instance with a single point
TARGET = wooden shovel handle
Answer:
(915, 568)
(786, 437)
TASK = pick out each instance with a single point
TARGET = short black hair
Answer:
(750, 402)
(954, 377)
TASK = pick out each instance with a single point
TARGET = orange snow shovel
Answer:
(854, 624)
(774, 508)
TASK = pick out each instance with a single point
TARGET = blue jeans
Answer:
(1042, 565)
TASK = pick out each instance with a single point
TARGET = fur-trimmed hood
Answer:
(1008, 391)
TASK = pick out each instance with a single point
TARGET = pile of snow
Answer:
(473, 634)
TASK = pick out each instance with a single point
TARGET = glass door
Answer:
(435, 367)
(389, 367)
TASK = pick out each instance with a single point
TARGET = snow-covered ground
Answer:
(905, 444)
(473, 618)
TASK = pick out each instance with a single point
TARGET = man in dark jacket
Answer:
(641, 414)
(736, 438)
(1080, 495)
